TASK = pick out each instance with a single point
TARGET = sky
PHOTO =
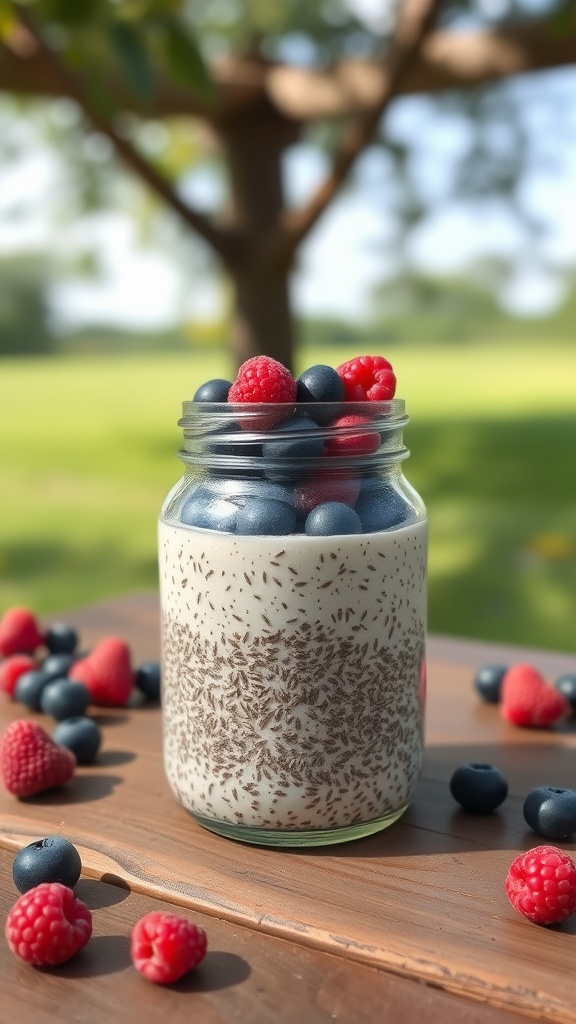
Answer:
(349, 252)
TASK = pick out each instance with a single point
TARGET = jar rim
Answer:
(220, 435)
(205, 412)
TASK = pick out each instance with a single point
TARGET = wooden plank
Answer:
(246, 977)
(424, 899)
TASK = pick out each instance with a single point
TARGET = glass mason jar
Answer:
(292, 557)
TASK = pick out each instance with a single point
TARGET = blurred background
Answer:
(184, 184)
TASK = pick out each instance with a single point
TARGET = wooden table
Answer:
(411, 922)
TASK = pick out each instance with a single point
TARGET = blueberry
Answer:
(380, 506)
(58, 665)
(241, 491)
(61, 638)
(206, 510)
(266, 517)
(321, 384)
(294, 440)
(52, 859)
(551, 811)
(147, 679)
(64, 698)
(567, 685)
(81, 735)
(330, 518)
(213, 391)
(29, 686)
(478, 788)
(488, 682)
(230, 440)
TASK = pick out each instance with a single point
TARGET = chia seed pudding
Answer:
(293, 664)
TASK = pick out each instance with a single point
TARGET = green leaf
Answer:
(130, 49)
(7, 19)
(70, 12)
(563, 22)
(183, 56)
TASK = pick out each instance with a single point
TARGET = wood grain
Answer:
(246, 977)
(423, 900)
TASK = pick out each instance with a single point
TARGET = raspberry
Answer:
(106, 672)
(12, 668)
(262, 379)
(164, 947)
(368, 379)
(527, 699)
(30, 762)
(19, 633)
(48, 925)
(541, 884)
(326, 486)
(348, 443)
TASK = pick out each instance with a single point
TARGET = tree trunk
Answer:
(262, 320)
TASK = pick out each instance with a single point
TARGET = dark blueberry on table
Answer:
(147, 679)
(61, 638)
(265, 517)
(321, 384)
(478, 788)
(488, 682)
(52, 859)
(206, 510)
(380, 506)
(81, 735)
(551, 811)
(213, 391)
(294, 440)
(567, 685)
(64, 698)
(58, 665)
(28, 689)
(332, 518)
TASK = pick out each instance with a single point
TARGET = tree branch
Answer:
(415, 21)
(225, 243)
(446, 60)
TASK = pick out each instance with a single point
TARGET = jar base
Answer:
(300, 839)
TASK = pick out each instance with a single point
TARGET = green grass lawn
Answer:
(88, 451)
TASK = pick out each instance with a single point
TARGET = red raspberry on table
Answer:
(541, 884)
(164, 947)
(12, 668)
(527, 699)
(19, 632)
(48, 925)
(349, 443)
(30, 761)
(106, 672)
(368, 379)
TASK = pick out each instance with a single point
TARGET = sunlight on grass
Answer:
(89, 450)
